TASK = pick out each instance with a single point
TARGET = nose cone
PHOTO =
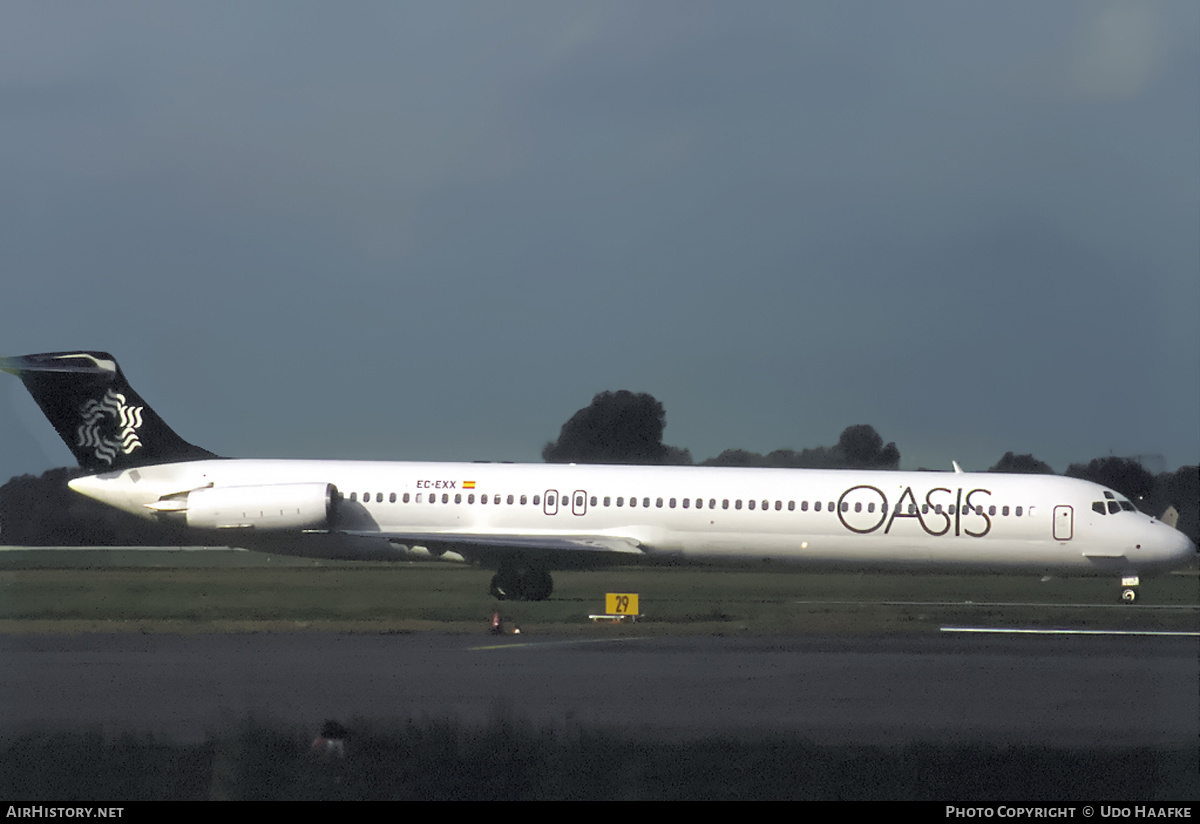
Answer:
(1184, 551)
(1169, 548)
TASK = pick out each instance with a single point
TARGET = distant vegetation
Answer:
(616, 428)
(859, 447)
(43, 511)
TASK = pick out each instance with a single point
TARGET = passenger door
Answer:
(1064, 523)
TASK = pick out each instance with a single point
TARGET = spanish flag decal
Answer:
(468, 484)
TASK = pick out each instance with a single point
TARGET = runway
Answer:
(1074, 691)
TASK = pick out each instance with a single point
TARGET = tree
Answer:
(1022, 465)
(43, 511)
(616, 428)
(859, 447)
(1128, 477)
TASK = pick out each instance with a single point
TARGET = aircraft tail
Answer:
(105, 424)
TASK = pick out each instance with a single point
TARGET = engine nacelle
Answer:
(280, 506)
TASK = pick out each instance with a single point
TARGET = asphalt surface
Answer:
(1078, 691)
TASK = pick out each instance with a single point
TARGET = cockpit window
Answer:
(1111, 506)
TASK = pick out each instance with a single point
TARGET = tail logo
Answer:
(110, 426)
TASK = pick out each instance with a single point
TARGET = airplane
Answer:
(526, 520)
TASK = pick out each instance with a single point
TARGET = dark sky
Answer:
(435, 230)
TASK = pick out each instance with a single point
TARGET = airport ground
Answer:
(850, 685)
(149, 590)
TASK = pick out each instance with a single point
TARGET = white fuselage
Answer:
(843, 518)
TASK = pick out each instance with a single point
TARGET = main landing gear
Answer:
(514, 582)
(1129, 589)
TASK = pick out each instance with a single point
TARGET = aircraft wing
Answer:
(476, 544)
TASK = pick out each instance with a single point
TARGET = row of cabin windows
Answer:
(687, 503)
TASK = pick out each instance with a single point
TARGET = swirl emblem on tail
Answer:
(109, 426)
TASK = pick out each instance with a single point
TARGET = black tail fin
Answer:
(97, 414)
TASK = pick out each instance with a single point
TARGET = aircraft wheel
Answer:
(537, 585)
(1128, 595)
(521, 584)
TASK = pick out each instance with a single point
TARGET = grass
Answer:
(227, 591)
